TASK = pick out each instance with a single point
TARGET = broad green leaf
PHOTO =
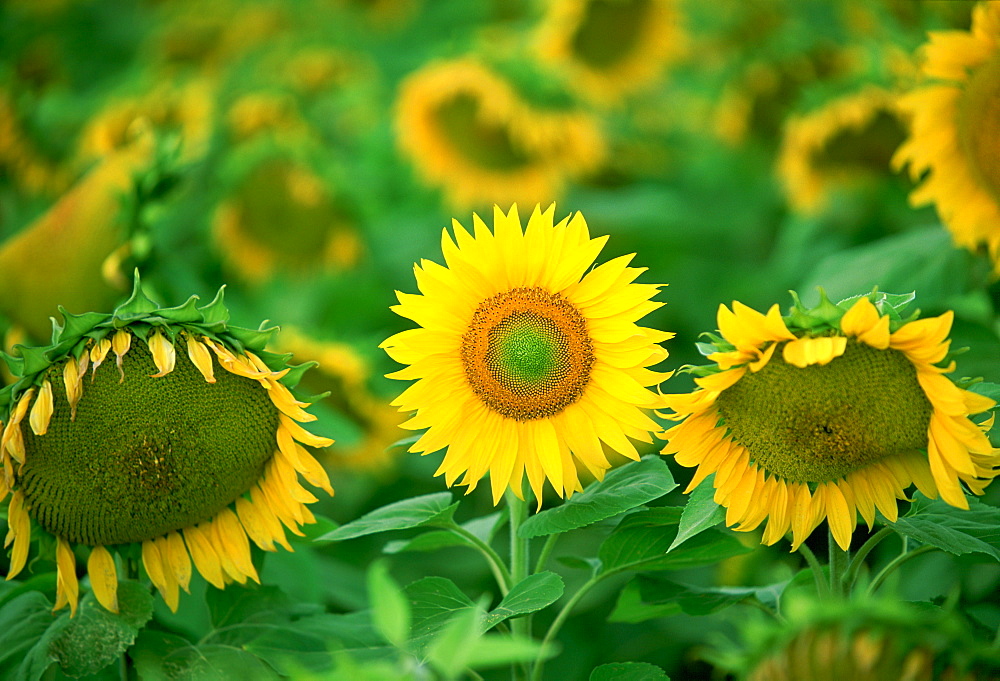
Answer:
(623, 488)
(390, 608)
(428, 541)
(641, 542)
(429, 509)
(632, 609)
(23, 621)
(434, 601)
(213, 662)
(700, 513)
(950, 529)
(251, 603)
(96, 637)
(628, 671)
(349, 631)
(450, 649)
(577, 563)
(693, 600)
(498, 650)
(531, 595)
(286, 647)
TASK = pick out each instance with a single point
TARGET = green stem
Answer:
(520, 626)
(543, 557)
(536, 669)
(839, 559)
(822, 588)
(500, 571)
(851, 576)
(899, 560)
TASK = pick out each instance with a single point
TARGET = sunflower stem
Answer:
(493, 559)
(839, 558)
(891, 567)
(543, 557)
(539, 664)
(519, 550)
(858, 561)
(822, 588)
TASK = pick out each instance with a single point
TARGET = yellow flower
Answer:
(846, 142)
(467, 130)
(162, 427)
(526, 360)
(610, 48)
(954, 143)
(832, 416)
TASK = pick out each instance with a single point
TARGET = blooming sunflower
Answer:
(185, 455)
(845, 142)
(525, 361)
(609, 48)
(468, 130)
(954, 142)
(829, 413)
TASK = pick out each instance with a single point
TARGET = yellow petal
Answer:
(19, 532)
(98, 353)
(67, 586)
(233, 540)
(41, 413)
(163, 353)
(121, 343)
(203, 554)
(804, 352)
(175, 558)
(103, 577)
(303, 435)
(201, 358)
(73, 382)
(254, 524)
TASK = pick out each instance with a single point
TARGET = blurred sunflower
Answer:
(954, 143)
(317, 230)
(467, 129)
(526, 360)
(610, 48)
(187, 456)
(255, 113)
(828, 413)
(848, 141)
(20, 160)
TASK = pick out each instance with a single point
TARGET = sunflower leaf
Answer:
(622, 489)
(27, 628)
(628, 671)
(698, 600)
(700, 513)
(434, 602)
(429, 509)
(950, 529)
(391, 611)
(531, 595)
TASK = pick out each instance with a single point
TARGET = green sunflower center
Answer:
(527, 353)
(822, 422)
(868, 147)
(609, 31)
(487, 143)
(146, 456)
(979, 123)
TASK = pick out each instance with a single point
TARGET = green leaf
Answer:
(27, 627)
(700, 513)
(429, 509)
(187, 312)
(951, 529)
(390, 607)
(622, 489)
(632, 609)
(285, 646)
(249, 604)
(698, 600)
(496, 650)
(211, 662)
(641, 542)
(450, 649)
(96, 637)
(990, 390)
(434, 601)
(531, 595)
(628, 671)
(428, 541)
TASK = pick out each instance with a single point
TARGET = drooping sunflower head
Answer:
(160, 427)
(827, 413)
(610, 48)
(472, 131)
(848, 141)
(526, 360)
(954, 142)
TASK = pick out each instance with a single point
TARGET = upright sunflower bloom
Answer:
(828, 413)
(162, 427)
(526, 360)
(954, 143)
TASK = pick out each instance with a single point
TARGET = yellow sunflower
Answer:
(826, 414)
(954, 143)
(610, 48)
(162, 427)
(848, 141)
(526, 360)
(467, 130)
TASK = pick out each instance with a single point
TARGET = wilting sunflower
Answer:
(848, 141)
(828, 413)
(468, 130)
(954, 143)
(526, 360)
(609, 48)
(160, 427)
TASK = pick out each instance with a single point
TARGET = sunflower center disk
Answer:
(978, 130)
(527, 354)
(148, 455)
(822, 422)
(610, 31)
(487, 143)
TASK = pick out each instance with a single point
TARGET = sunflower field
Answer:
(439, 340)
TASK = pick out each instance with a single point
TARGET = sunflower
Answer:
(318, 230)
(525, 361)
(610, 48)
(829, 413)
(846, 142)
(468, 130)
(164, 428)
(954, 142)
